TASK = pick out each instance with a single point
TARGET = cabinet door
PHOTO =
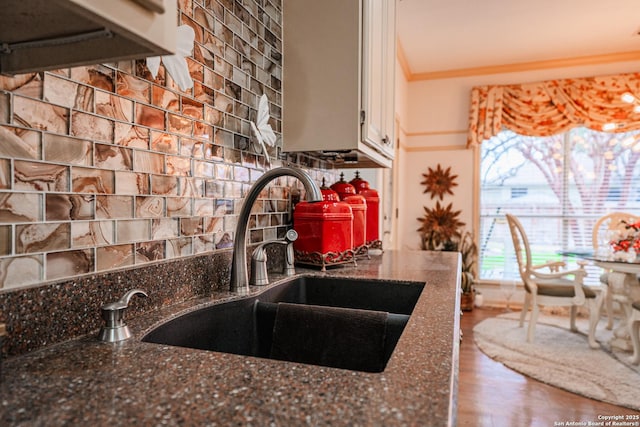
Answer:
(337, 81)
(378, 74)
(389, 79)
(373, 70)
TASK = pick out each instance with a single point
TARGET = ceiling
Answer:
(440, 38)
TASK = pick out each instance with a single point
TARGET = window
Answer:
(557, 186)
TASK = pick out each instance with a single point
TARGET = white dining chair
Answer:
(556, 288)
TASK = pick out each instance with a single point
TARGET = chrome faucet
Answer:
(239, 275)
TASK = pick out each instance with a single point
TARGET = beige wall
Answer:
(433, 116)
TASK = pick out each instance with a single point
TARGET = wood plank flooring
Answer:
(492, 395)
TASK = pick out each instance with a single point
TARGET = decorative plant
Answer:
(439, 225)
(461, 242)
(469, 251)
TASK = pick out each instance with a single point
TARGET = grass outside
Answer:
(497, 262)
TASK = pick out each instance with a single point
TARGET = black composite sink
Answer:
(365, 294)
(246, 326)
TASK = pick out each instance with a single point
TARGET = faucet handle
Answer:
(259, 276)
(289, 261)
(113, 314)
(291, 236)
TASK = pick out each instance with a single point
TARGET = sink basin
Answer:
(246, 326)
(365, 294)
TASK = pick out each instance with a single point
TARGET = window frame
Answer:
(565, 216)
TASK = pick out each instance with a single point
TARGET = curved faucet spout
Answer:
(239, 274)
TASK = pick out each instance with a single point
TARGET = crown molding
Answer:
(423, 149)
(436, 132)
(518, 67)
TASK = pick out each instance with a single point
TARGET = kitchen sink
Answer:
(366, 294)
(246, 326)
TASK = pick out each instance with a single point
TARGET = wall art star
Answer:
(439, 182)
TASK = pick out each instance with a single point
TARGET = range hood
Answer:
(37, 35)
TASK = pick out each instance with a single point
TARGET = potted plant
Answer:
(469, 251)
(442, 231)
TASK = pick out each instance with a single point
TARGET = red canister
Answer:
(325, 233)
(343, 188)
(373, 216)
(347, 193)
(359, 207)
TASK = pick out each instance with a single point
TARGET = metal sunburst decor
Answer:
(439, 225)
(439, 182)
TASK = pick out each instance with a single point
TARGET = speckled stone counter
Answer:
(87, 382)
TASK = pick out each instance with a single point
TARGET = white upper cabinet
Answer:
(378, 74)
(38, 35)
(338, 84)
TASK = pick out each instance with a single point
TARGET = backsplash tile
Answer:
(20, 143)
(40, 115)
(22, 270)
(18, 207)
(6, 238)
(60, 207)
(95, 181)
(5, 174)
(115, 256)
(40, 176)
(42, 237)
(110, 178)
(112, 157)
(69, 263)
(67, 150)
(92, 233)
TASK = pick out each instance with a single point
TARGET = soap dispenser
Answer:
(115, 329)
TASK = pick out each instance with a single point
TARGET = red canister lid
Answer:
(362, 187)
(328, 194)
(343, 188)
(359, 183)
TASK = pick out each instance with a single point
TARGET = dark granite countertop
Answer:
(87, 382)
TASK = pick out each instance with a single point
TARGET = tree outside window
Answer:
(558, 186)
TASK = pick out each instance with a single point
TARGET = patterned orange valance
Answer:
(554, 106)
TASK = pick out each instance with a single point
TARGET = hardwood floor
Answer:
(492, 395)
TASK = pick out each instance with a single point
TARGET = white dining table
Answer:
(624, 288)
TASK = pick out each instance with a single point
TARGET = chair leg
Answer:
(609, 307)
(635, 337)
(594, 317)
(572, 317)
(532, 323)
(525, 308)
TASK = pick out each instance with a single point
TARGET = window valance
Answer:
(554, 106)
